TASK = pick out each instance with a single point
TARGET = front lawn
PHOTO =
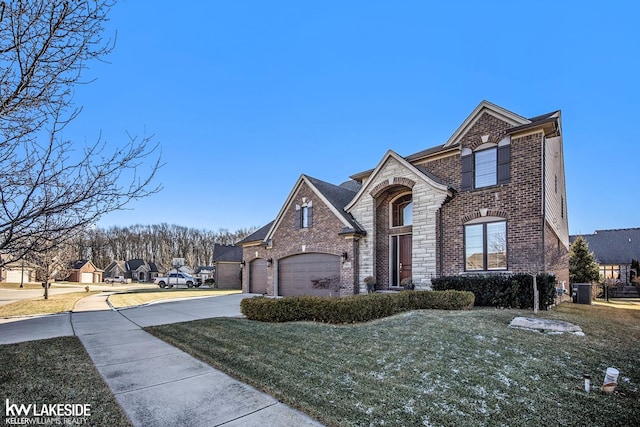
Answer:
(55, 371)
(433, 368)
(57, 303)
(145, 296)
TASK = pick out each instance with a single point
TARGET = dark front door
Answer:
(405, 257)
(400, 259)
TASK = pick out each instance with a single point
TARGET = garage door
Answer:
(309, 274)
(258, 276)
(14, 276)
(87, 278)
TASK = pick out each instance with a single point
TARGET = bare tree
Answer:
(51, 187)
(53, 261)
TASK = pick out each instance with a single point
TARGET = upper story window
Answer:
(402, 211)
(304, 215)
(485, 246)
(489, 164)
(486, 167)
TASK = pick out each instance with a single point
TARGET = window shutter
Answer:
(467, 172)
(504, 164)
(298, 217)
(309, 215)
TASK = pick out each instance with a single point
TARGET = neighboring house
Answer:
(18, 272)
(491, 199)
(613, 251)
(83, 271)
(141, 271)
(227, 265)
(205, 272)
(115, 269)
(136, 269)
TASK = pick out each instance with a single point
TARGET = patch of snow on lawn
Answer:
(504, 379)
(492, 353)
(368, 410)
(480, 391)
(377, 375)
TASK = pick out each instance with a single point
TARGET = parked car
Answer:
(115, 279)
(175, 279)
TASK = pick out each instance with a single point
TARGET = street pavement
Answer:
(156, 383)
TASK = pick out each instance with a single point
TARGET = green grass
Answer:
(144, 296)
(54, 371)
(433, 367)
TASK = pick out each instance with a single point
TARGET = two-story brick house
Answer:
(491, 199)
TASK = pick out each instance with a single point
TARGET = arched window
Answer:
(402, 211)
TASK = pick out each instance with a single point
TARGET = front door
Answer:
(400, 259)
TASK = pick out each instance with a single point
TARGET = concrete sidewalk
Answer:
(156, 383)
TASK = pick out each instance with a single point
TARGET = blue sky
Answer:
(244, 96)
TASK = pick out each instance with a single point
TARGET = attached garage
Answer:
(309, 274)
(17, 276)
(87, 278)
(258, 276)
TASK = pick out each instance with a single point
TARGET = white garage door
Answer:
(13, 276)
(87, 278)
(309, 274)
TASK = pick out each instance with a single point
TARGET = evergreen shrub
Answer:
(502, 290)
(351, 309)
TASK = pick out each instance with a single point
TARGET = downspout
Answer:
(544, 200)
(440, 242)
(356, 266)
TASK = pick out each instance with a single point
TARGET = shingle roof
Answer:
(226, 253)
(614, 246)
(258, 235)
(339, 196)
(134, 264)
(79, 264)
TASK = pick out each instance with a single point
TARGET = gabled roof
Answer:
(551, 121)
(135, 264)
(226, 253)
(77, 265)
(489, 108)
(257, 236)
(121, 264)
(614, 246)
(335, 197)
(419, 171)
(339, 196)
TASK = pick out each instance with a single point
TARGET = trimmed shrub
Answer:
(351, 309)
(502, 290)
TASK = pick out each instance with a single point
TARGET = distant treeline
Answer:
(154, 243)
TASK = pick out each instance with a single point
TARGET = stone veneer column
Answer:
(426, 202)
